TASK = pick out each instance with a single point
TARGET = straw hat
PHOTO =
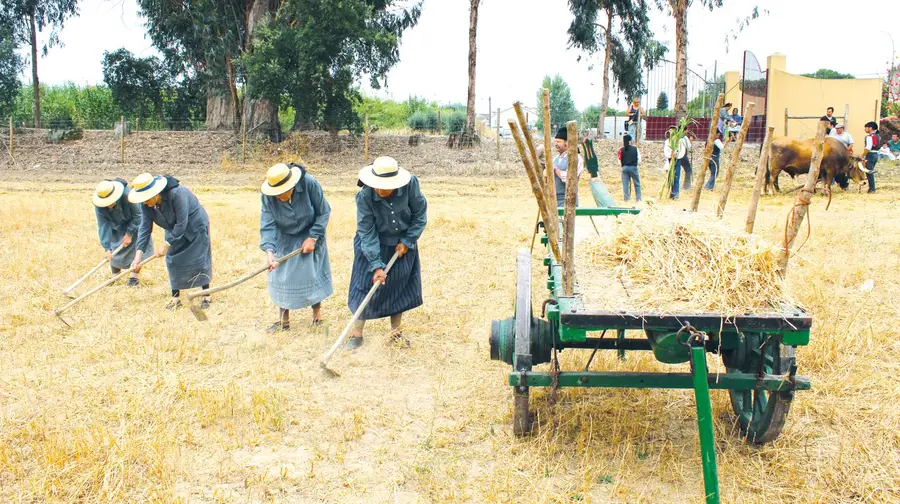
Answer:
(146, 186)
(280, 179)
(107, 193)
(384, 173)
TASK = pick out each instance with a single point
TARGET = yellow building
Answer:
(794, 96)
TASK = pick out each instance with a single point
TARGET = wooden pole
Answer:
(637, 129)
(615, 126)
(367, 139)
(846, 116)
(122, 136)
(707, 154)
(11, 139)
(801, 202)
(569, 213)
(440, 126)
(735, 157)
(550, 221)
(549, 195)
(243, 140)
(786, 117)
(548, 152)
(498, 133)
(761, 170)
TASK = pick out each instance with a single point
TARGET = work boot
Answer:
(132, 282)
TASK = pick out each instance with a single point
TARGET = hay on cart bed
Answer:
(678, 263)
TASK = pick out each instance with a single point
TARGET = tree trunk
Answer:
(221, 112)
(260, 115)
(470, 103)
(604, 101)
(34, 73)
(680, 8)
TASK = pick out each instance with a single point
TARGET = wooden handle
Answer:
(104, 284)
(91, 272)
(362, 306)
(241, 280)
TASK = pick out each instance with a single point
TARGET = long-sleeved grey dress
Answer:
(303, 280)
(180, 214)
(112, 226)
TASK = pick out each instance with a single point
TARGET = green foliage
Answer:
(10, 66)
(454, 121)
(695, 107)
(825, 73)
(630, 41)
(383, 114)
(424, 120)
(311, 52)
(662, 102)
(562, 108)
(137, 84)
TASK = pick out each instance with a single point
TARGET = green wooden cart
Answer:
(756, 349)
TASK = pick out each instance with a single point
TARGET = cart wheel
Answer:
(522, 360)
(761, 414)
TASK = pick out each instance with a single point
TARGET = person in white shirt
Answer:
(714, 163)
(839, 133)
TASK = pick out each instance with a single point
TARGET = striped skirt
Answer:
(402, 291)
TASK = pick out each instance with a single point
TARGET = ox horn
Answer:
(863, 169)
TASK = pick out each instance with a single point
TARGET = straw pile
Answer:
(665, 262)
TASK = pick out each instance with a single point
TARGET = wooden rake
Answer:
(198, 312)
(91, 272)
(58, 312)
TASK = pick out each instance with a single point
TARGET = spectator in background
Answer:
(598, 189)
(630, 158)
(714, 163)
(635, 113)
(841, 135)
(724, 117)
(679, 154)
(829, 116)
(870, 153)
(894, 145)
(687, 140)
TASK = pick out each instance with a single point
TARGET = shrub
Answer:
(454, 122)
(423, 120)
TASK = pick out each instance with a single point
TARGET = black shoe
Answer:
(354, 342)
(132, 282)
(278, 326)
(870, 192)
(204, 303)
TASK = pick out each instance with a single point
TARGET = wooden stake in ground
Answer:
(707, 154)
(122, 136)
(548, 143)
(735, 157)
(761, 170)
(569, 213)
(550, 221)
(498, 133)
(367, 138)
(801, 203)
(11, 139)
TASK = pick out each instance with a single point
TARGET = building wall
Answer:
(803, 96)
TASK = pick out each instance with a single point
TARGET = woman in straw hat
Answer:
(187, 249)
(294, 216)
(118, 222)
(390, 216)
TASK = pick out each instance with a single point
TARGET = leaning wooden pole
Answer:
(801, 202)
(569, 212)
(707, 154)
(529, 140)
(735, 157)
(550, 221)
(761, 170)
(548, 153)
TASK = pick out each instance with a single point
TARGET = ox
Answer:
(793, 157)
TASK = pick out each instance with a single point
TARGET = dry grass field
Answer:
(137, 404)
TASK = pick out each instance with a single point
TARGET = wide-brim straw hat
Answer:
(146, 186)
(384, 173)
(107, 193)
(280, 179)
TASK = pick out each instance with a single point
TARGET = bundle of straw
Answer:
(682, 263)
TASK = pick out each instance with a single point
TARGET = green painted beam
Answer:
(602, 211)
(724, 381)
(705, 425)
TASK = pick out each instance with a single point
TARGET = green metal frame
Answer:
(568, 324)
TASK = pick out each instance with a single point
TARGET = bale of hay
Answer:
(680, 263)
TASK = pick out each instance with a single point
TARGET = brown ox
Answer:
(793, 157)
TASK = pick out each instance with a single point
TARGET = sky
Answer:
(521, 41)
